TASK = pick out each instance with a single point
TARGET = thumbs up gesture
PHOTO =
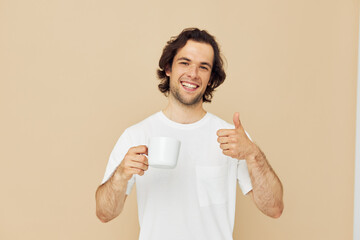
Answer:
(234, 142)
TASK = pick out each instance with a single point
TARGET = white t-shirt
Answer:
(195, 200)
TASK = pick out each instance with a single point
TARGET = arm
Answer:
(111, 196)
(267, 192)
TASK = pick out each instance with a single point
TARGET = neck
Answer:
(184, 114)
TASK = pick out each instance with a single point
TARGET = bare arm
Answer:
(267, 190)
(111, 196)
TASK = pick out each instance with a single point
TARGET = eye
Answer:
(204, 68)
(184, 63)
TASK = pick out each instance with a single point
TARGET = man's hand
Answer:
(234, 142)
(267, 191)
(111, 196)
(134, 162)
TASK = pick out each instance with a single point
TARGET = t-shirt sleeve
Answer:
(243, 176)
(122, 146)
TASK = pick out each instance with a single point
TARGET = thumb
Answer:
(236, 120)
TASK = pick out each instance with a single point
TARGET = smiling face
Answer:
(190, 73)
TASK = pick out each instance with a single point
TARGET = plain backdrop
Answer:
(75, 74)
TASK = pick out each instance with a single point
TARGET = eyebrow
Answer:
(186, 59)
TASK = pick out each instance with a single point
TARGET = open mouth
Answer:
(189, 86)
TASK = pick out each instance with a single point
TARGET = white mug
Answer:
(163, 152)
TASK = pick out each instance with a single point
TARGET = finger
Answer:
(137, 171)
(132, 158)
(227, 153)
(225, 132)
(236, 120)
(130, 171)
(141, 173)
(140, 158)
(141, 149)
(138, 165)
(225, 140)
(225, 146)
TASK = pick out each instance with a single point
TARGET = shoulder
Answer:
(142, 125)
(219, 122)
(137, 134)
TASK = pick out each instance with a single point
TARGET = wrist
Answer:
(253, 154)
(118, 179)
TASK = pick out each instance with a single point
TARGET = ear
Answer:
(168, 70)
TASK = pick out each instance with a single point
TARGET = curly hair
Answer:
(218, 74)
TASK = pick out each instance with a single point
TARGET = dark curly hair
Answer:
(218, 74)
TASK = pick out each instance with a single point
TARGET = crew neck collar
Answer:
(193, 125)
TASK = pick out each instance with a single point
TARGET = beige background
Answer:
(75, 74)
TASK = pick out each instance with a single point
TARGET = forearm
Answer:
(267, 188)
(110, 198)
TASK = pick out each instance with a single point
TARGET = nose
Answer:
(192, 71)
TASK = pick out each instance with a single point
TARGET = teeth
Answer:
(188, 85)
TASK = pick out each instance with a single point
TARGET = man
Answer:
(196, 200)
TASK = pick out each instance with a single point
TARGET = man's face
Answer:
(190, 72)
